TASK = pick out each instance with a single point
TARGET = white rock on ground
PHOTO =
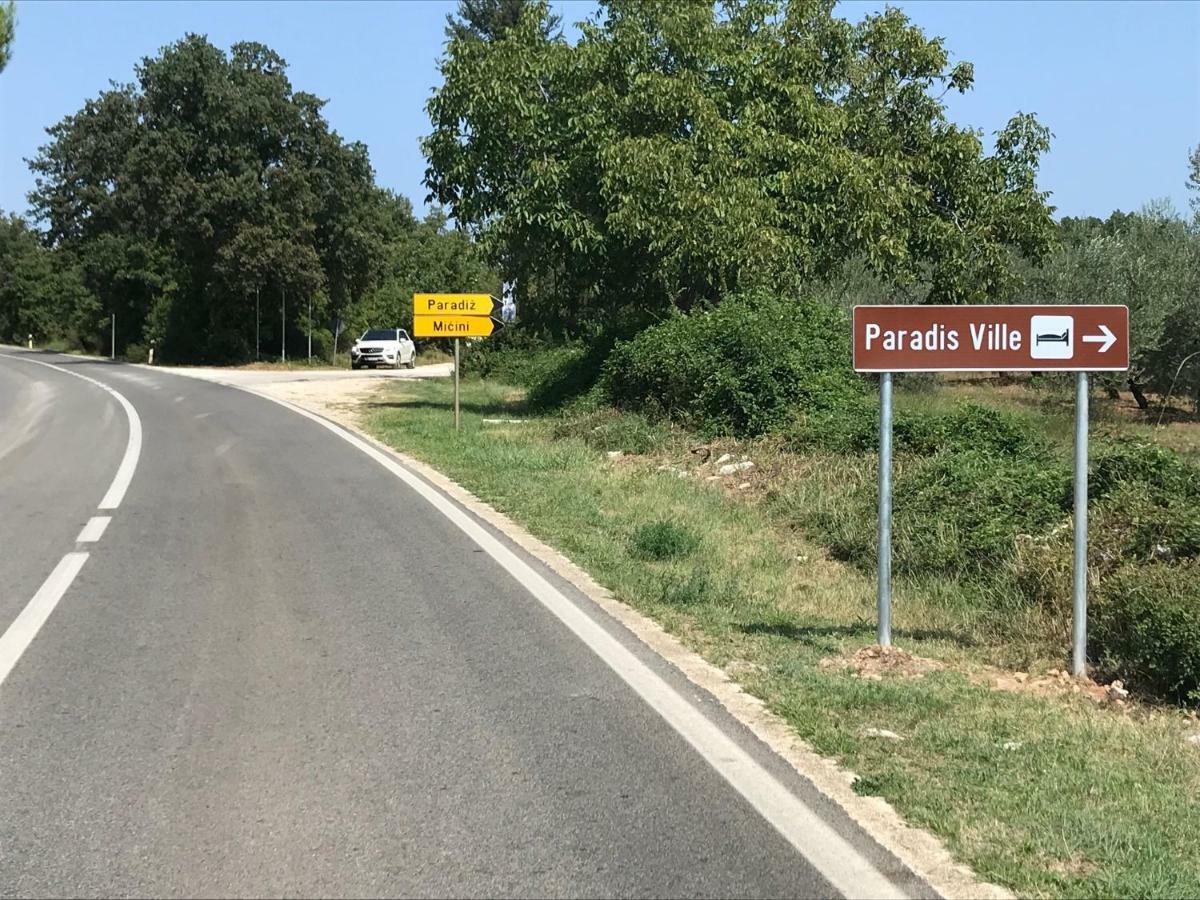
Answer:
(724, 458)
(882, 733)
(733, 468)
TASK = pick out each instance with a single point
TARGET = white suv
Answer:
(383, 347)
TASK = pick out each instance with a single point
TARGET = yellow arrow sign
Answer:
(454, 326)
(453, 305)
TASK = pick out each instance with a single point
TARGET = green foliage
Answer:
(1145, 627)
(854, 426)
(691, 588)
(682, 151)
(1167, 474)
(210, 200)
(662, 540)
(960, 512)
(1148, 261)
(742, 368)
(40, 293)
(424, 256)
(1193, 182)
(607, 429)
(8, 28)
(487, 20)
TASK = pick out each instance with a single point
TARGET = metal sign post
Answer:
(457, 412)
(113, 352)
(1079, 574)
(1079, 339)
(455, 316)
(884, 629)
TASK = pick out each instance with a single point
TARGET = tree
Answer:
(208, 180)
(681, 151)
(420, 256)
(40, 295)
(1193, 182)
(8, 29)
(1148, 261)
(487, 20)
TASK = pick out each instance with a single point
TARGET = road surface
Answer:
(281, 669)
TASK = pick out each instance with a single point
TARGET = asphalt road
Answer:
(281, 670)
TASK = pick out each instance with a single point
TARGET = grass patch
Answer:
(1051, 796)
(663, 540)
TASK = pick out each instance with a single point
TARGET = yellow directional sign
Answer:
(454, 326)
(453, 305)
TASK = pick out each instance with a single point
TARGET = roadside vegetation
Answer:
(205, 204)
(686, 199)
(1048, 786)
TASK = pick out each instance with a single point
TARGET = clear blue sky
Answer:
(1118, 83)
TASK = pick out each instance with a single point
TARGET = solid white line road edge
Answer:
(93, 530)
(25, 626)
(133, 447)
(837, 860)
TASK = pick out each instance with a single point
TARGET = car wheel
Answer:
(412, 361)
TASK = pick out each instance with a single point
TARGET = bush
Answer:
(962, 511)
(955, 513)
(1166, 473)
(513, 356)
(853, 426)
(741, 368)
(663, 540)
(609, 429)
(137, 353)
(1145, 628)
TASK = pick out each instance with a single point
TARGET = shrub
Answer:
(1167, 473)
(663, 540)
(853, 426)
(1145, 627)
(962, 511)
(955, 513)
(513, 356)
(136, 353)
(610, 429)
(741, 368)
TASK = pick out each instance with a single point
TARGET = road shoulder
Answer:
(924, 854)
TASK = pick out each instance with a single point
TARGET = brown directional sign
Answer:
(991, 338)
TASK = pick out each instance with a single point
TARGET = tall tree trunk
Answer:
(1136, 390)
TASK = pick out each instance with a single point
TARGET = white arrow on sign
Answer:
(1107, 338)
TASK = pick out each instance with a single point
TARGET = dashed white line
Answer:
(26, 625)
(93, 530)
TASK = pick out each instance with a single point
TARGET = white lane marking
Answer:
(223, 447)
(133, 447)
(838, 861)
(26, 625)
(202, 415)
(93, 530)
(179, 398)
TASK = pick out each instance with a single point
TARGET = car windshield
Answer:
(376, 334)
